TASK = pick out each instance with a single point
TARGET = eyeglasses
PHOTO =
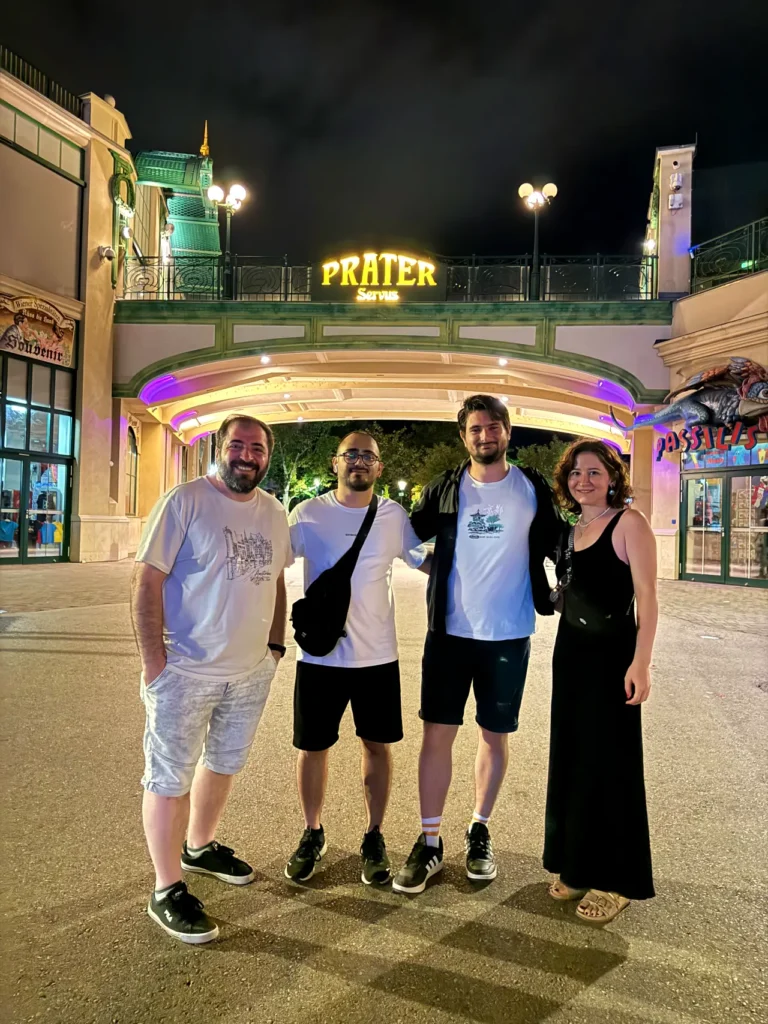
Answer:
(352, 456)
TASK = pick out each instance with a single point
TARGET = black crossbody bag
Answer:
(320, 616)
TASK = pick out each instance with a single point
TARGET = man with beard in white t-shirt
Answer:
(362, 669)
(493, 524)
(208, 608)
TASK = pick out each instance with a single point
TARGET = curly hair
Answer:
(610, 458)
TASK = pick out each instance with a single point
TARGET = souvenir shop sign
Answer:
(34, 328)
(374, 277)
(693, 439)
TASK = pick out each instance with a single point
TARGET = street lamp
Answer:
(401, 486)
(535, 199)
(231, 204)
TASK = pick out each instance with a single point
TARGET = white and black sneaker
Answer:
(181, 915)
(218, 861)
(481, 863)
(307, 855)
(423, 862)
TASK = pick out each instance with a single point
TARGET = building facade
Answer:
(129, 336)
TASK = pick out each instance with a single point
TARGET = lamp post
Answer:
(535, 199)
(231, 204)
(401, 487)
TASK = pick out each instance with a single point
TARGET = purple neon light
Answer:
(181, 416)
(203, 433)
(152, 390)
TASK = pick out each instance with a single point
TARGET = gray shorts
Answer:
(191, 720)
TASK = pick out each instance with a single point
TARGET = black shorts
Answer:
(321, 695)
(450, 666)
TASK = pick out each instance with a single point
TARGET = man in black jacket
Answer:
(494, 525)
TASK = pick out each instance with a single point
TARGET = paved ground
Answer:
(79, 947)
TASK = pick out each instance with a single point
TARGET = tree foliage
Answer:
(543, 457)
(302, 452)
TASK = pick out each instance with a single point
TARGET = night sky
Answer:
(414, 122)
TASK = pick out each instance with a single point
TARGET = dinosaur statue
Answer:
(717, 397)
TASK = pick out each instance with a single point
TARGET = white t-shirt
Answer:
(322, 530)
(222, 558)
(489, 588)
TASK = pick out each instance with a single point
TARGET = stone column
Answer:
(657, 493)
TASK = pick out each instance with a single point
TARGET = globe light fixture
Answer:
(231, 204)
(535, 200)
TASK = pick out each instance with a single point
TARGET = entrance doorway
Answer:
(34, 520)
(725, 523)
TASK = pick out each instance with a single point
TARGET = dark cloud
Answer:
(401, 120)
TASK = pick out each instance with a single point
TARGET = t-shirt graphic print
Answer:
(248, 554)
(486, 522)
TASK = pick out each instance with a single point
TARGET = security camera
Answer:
(106, 252)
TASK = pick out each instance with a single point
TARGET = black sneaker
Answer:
(376, 866)
(481, 864)
(181, 915)
(423, 862)
(219, 861)
(310, 851)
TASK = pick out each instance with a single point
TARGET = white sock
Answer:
(196, 851)
(479, 818)
(160, 894)
(431, 829)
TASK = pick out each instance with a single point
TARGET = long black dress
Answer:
(596, 834)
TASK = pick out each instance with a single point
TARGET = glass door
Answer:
(11, 504)
(46, 493)
(33, 510)
(704, 530)
(748, 540)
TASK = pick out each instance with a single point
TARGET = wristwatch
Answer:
(280, 648)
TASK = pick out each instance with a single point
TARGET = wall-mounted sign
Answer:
(34, 328)
(379, 277)
(692, 439)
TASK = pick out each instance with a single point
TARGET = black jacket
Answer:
(436, 515)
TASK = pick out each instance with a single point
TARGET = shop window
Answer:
(132, 475)
(184, 464)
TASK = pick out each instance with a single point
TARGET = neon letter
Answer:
(348, 266)
(370, 274)
(389, 258)
(695, 438)
(672, 442)
(738, 427)
(426, 272)
(709, 437)
(720, 443)
(685, 438)
(751, 437)
(329, 270)
(660, 448)
(405, 263)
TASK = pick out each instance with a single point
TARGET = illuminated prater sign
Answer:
(379, 277)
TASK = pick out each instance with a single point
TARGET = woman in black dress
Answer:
(596, 837)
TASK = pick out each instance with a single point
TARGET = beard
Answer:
(235, 482)
(357, 481)
(487, 456)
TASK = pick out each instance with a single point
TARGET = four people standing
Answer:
(209, 600)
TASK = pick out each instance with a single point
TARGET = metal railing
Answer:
(40, 82)
(472, 279)
(730, 256)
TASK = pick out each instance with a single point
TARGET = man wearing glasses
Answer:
(208, 606)
(363, 668)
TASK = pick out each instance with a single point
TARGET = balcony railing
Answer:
(40, 82)
(474, 279)
(730, 256)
